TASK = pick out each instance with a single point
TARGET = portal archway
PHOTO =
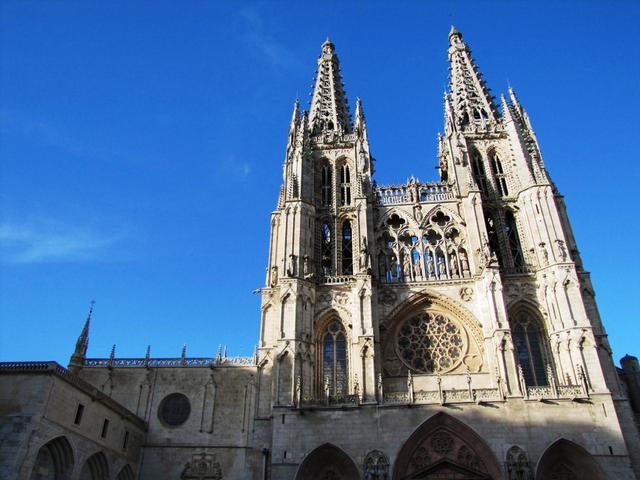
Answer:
(444, 448)
(565, 460)
(95, 468)
(327, 462)
(54, 461)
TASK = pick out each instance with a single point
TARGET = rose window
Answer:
(430, 342)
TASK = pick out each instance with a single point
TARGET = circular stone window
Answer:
(430, 343)
(174, 409)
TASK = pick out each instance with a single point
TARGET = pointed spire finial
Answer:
(329, 112)
(82, 343)
(112, 355)
(454, 31)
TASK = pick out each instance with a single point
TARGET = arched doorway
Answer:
(327, 462)
(54, 461)
(444, 448)
(126, 473)
(95, 468)
(565, 460)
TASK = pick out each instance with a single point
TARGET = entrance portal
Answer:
(444, 448)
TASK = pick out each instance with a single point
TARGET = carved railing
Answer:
(331, 400)
(399, 194)
(336, 279)
(171, 362)
(391, 398)
(570, 391)
(539, 392)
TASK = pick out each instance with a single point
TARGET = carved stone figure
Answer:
(291, 265)
(430, 265)
(274, 275)
(442, 267)
(464, 262)
(454, 265)
(365, 258)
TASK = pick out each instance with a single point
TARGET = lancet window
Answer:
(514, 239)
(498, 174)
(345, 185)
(492, 234)
(326, 248)
(347, 249)
(477, 168)
(530, 348)
(325, 185)
(334, 373)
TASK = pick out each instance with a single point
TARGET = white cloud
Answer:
(50, 241)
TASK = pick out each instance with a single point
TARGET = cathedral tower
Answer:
(317, 305)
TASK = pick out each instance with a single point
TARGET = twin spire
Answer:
(469, 97)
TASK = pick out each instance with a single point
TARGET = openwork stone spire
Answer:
(329, 107)
(80, 352)
(471, 98)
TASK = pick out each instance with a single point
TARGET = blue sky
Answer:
(141, 146)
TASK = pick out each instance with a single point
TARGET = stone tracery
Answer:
(435, 250)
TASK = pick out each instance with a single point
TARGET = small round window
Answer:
(174, 409)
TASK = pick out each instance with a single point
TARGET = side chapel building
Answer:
(441, 330)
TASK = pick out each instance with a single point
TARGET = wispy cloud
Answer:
(44, 132)
(48, 241)
(265, 44)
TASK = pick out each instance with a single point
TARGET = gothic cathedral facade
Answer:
(440, 330)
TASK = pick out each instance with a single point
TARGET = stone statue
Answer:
(291, 265)
(274, 276)
(442, 267)
(464, 262)
(365, 258)
(406, 266)
(453, 264)
(430, 265)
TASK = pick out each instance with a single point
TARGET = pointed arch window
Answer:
(514, 239)
(529, 345)
(477, 168)
(325, 185)
(347, 249)
(335, 372)
(498, 174)
(345, 185)
(494, 244)
(326, 250)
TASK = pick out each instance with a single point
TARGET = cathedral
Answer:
(438, 330)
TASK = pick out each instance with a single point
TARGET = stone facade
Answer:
(419, 330)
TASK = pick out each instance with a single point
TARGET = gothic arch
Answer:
(95, 467)
(565, 460)
(424, 315)
(125, 473)
(327, 462)
(424, 298)
(441, 445)
(531, 341)
(455, 218)
(55, 460)
(406, 216)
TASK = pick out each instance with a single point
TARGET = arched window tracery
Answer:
(514, 239)
(498, 174)
(530, 349)
(326, 248)
(334, 374)
(435, 251)
(345, 185)
(347, 249)
(326, 185)
(477, 168)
